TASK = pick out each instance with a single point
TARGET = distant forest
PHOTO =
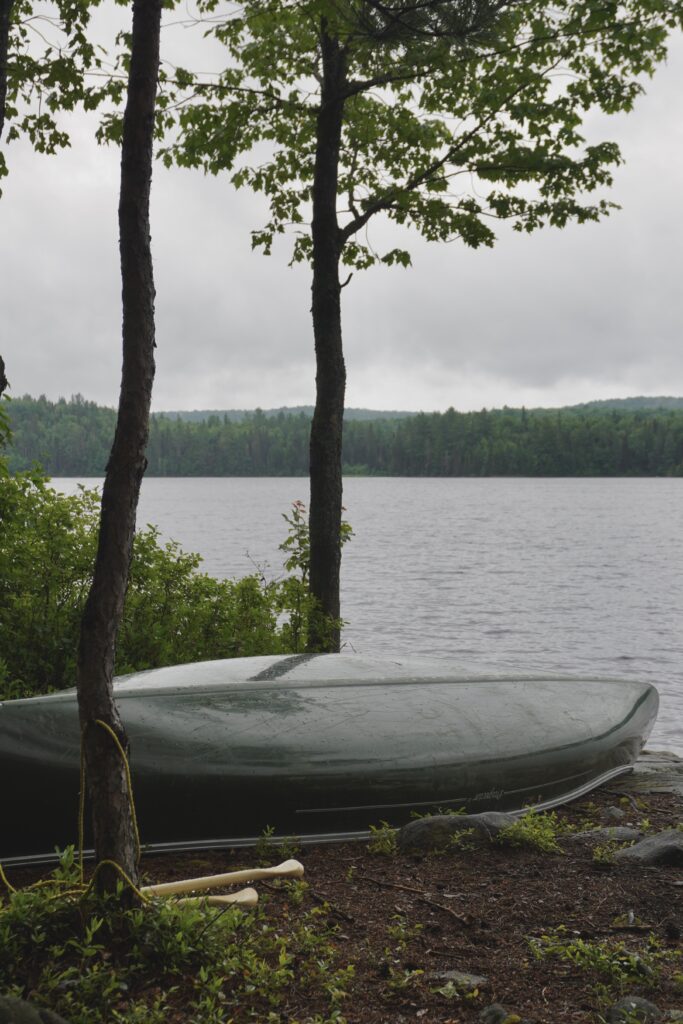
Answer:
(618, 438)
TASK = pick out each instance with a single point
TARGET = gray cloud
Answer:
(556, 317)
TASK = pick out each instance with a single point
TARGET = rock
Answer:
(665, 848)
(612, 834)
(461, 979)
(497, 1014)
(655, 771)
(633, 1010)
(18, 1011)
(435, 831)
(674, 1017)
(493, 1014)
(614, 813)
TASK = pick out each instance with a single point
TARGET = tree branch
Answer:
(388, 200)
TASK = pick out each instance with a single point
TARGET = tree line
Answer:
(73, 438)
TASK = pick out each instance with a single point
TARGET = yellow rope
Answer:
(129, 783)
(81, 813)
(134, 817)
(82, 890)
(129, 786)
(127, 879)
(4, 880)
(78, 891)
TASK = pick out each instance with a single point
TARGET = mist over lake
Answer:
(565, 575)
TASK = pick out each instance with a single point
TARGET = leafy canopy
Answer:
(49, 57)
(456, 114)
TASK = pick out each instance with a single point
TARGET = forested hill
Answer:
(73, 439)
(633, 404)
(238, 415)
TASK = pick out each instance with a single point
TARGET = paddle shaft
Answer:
(243, 898)
(288, 869)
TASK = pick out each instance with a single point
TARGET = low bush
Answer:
(86, 958)
(611, 963)
(173, 614)
(536, 830)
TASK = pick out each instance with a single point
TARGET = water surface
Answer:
(567, 575)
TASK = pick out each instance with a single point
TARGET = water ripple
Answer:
(579, 575)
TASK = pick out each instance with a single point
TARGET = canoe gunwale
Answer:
(139, 690)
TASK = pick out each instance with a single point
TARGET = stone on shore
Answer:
(18, 1011)
(425, 834)
(612, 833)
(665, 849)
(655, 771)
(463, 981)
(633, 1010)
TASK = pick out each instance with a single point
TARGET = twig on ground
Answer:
(320, 897)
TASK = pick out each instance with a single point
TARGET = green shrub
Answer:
(91, 961)
(173, 612)
(614, 963)
(383, 841)
(539, 831)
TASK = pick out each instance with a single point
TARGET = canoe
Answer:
(319, 747)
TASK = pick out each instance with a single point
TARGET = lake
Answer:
(564, 575)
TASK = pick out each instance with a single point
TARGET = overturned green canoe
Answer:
(319, 746)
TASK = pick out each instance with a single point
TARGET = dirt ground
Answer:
(404, 921)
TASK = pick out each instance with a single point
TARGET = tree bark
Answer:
(328, 417)
(112, 817)
(5, 18)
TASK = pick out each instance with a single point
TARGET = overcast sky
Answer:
(554, 318)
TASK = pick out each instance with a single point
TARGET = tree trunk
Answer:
(327, 425)
(5, 18)
(111, 807)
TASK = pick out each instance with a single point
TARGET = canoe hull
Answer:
(311, 747)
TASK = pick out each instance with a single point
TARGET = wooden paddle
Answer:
(243, 898)
(288, 869)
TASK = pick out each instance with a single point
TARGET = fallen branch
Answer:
(420, 892)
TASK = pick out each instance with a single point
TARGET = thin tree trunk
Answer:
(5, 19)
(327, 425)
(111, 808)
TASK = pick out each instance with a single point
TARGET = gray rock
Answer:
(461, 979)
(674, 1017)
(611, 833)
(655, 771)
(665, 848)
(493, 1014)
(497, 1014)
(18, 1011)
(431, 833)
(614, 813)
(632, 1009)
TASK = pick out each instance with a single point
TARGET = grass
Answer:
(85, 958)
(538, 831)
